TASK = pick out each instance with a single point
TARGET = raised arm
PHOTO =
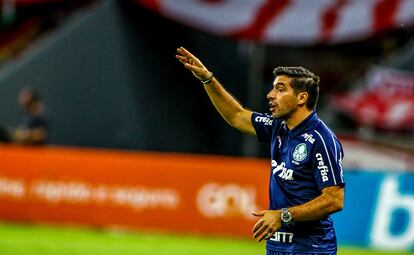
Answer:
(228, 106)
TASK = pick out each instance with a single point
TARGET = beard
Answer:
(284, 114)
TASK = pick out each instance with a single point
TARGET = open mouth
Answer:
(272, 107)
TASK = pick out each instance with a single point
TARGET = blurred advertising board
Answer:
(157, 191)
(379, 197)
(187, 193)
(379, 210)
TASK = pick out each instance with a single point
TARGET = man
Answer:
(306, 182)
(33, 129)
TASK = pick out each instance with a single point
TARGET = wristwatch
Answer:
(285, 216)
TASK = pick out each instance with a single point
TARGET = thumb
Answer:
(259, 213)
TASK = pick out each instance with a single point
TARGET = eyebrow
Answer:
(279, 83)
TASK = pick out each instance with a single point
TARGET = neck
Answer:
(300, 114)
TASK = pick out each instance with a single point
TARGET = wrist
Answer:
(286, 216)
(208, 80)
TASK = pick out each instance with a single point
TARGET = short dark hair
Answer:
(303, 80)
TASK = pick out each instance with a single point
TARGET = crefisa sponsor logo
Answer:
(282, 171)
(308, 137)
(322, 167)
(267, 121)
(226, 200)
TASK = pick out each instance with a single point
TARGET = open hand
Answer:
(193, 64)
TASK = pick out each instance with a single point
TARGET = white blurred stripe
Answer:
(405, 14)
(224, 17)
(355, 21)
(299, 24)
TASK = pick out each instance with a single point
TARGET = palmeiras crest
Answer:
(300, 152)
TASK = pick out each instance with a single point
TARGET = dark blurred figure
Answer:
(34, 127)
(4, 135)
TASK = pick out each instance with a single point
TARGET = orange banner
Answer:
(160, 191)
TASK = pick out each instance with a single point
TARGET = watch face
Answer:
(286, 217)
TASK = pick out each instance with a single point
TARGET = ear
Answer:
(302, 98)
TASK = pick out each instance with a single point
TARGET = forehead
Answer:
(282, 79)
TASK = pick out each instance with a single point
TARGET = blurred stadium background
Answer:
(139, 162)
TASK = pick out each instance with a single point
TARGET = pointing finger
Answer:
(181, 58)
(188, 54)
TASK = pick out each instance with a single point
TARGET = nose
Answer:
(270, 95)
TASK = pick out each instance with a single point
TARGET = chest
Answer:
(291, 156)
